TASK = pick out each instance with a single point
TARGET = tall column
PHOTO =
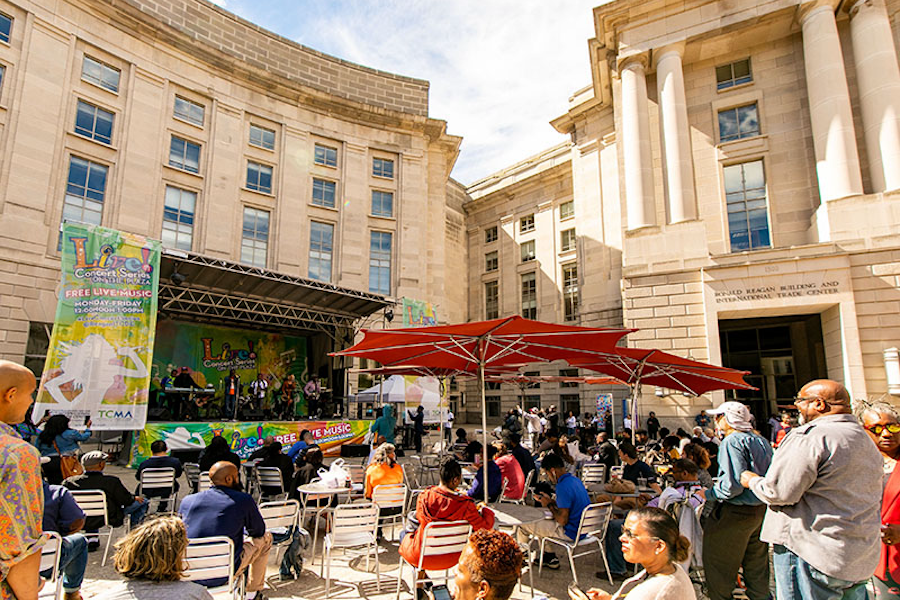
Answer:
(878, 77)
(837, 162)
(676, 135)
(640, 207)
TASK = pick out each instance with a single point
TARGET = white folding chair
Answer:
(204, 483)
(592, 526)
(616, 471)
(270, 478)
(213, 558)
(593, 473)
(192, 476)
(93, 504)
(280, 517)
(521, 499)
(50, 554)
(353, 526)
(387, 497)
(162, 478)
(503, 487)
(438, 538)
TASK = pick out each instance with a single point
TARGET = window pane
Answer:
(85, 191)
(747, 210)
(382, 203)
(753, 175)
(490, 235)
(380, 263)
(382, 167)
(491, 300)
(749, 120)
(184, 155)
(567, 209)
(528, 251)
(723, 73)
(96, 72)
(325, 155)
(321, 241)
(262, 137)
(323, 193)
(5, 28)
(259, 177)
(728, 127)
(529, 296)
(734, 181)
(741, 68)
(567, 240)
(189, 111)
(255, 237)
(178, 218)
(491, 261)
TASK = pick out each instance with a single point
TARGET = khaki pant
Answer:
(255, 556)
(540, 529)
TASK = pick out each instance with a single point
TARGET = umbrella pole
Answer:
(441, 401)
(484, 436)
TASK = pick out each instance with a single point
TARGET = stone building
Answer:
(183, 122)
(733, 174)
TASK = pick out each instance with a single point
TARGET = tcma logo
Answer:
(114, 414)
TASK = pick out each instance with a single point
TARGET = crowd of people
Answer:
(712, 501)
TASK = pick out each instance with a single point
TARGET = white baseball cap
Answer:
(737, 415)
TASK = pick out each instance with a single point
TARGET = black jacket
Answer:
(117, 496)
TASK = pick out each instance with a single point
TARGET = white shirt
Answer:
(571, 422)
(448, 420)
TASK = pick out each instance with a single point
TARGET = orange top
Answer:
(377, 474)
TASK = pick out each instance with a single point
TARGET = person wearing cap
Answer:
(731, 532)
(120, 503)
(823, 491)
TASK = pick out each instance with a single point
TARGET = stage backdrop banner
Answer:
(211, 352)
(244, 438)
(417, 313)
(102, 341)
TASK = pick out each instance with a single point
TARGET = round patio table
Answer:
(316, 491)
(514, 515)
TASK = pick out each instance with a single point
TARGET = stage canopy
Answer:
(205, 289)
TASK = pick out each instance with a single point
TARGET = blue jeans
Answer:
(136, 510)
(796, 579)
(73, 558)
(614, 555)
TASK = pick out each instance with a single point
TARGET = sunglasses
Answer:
(878, 429)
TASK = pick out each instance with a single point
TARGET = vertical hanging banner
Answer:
(101, 349)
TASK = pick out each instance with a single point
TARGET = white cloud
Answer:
(499, 70)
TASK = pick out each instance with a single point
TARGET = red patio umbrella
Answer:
(644, 366)
(472, 347)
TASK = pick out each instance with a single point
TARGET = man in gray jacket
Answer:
(823, 491)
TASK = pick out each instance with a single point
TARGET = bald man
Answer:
(225, 510)
(823, 492)
(20, 471)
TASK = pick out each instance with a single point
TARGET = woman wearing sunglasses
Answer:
(650, 537)
(883, 426)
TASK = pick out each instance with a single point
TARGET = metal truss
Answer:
(219, 306)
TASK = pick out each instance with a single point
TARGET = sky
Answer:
(499, 70)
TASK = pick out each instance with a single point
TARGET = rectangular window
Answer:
(2, 73)
(492, 385)
(491, 300)
(98, 73)
(262, 137)
(492, 406)
(491, 261)
(178, 218)
(733, 74)
(85, 192)
(528, 251)
(532, 402)
(490, 235)
(567, 240)
(184, 155)
(323, 193)
(259, 177)
(526, 224)
(529, 296)
(745, 198)
(383, 167)
(568, 373)
(738, 123)
(93, 122)
(382, 203)
(325, 155)
(5, 28)
(255, 237)
(321, 247)
(570, 291)
(533, 385)
(380, 263)
(567, 210)
(570, 402)
(189, 111)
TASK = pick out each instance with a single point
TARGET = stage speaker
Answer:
(254, 415)
(354, 450)
(159, 414)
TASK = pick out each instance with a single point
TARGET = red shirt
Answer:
(510, 468)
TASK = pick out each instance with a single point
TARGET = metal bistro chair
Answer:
(592, 526)
(357, 481)
(388, 497)
(270, 478)
(438, 538)
(204, 483)
(353, 526)
(162, 478)
(192, 476)
(593, 473)
(50, 554)
(525, 489)
(93, 504)
(280, 517)
(213, 558)
(616, 472)
(503, 487)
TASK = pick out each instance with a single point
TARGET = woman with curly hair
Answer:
(152, 560)
(489, 567)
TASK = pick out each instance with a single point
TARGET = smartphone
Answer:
(87, 419)
(440, 592)
(576, 593)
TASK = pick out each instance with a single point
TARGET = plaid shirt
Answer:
(21, 503)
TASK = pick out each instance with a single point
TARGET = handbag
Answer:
(69, 464)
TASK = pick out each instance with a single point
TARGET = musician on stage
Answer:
(258, 389)
(312, 390)
(232, 385)
(185, 381)
(288, 394)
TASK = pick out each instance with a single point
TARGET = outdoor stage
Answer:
(247, 436)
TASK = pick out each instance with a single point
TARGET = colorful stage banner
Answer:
(604, 408)
(102, 342)
(244, 438)
(210, 352)
(418, 314)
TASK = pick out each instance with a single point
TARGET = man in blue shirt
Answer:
(731, 532)
(225, 510)
(62, 515)
(306, 440)
(571, 500)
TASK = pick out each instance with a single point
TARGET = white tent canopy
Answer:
(392, 389)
